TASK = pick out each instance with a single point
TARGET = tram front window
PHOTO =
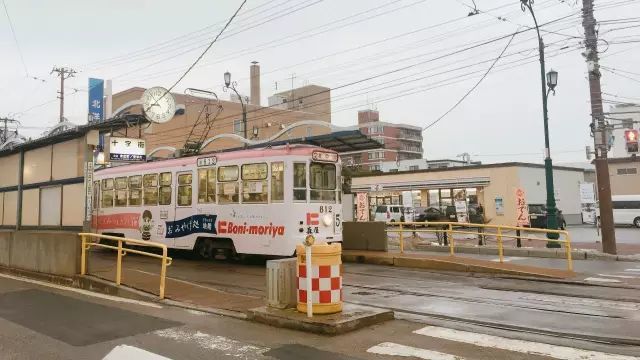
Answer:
(322, 182)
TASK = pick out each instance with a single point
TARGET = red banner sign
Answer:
(118, 221)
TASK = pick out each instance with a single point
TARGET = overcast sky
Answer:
(406, 58)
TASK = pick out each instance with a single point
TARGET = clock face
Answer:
(158, 105)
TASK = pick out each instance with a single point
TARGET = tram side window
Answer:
(165, 189)
(107, 193)
(299, 182)
(184, 189)
(207, 186)
(121, 191)
(96, 194)
(150, 185)
(254, 183)
(322, 182)
(228, 191)
(277, 182)
(135, 190)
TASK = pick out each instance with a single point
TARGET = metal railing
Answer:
(87, 244)
(449, 229)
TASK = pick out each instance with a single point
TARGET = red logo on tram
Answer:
(312, 219)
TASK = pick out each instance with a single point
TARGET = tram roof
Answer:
(338, 141)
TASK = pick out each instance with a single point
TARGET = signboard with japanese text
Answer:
(362, 207)
(88, 187)
(522, 210)
(96, 99)
(587, 194)
(462, 214)
(127, 149)
(201, 223)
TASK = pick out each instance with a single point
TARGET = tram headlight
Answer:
(327, 219)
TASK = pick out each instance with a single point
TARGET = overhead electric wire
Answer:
(474, 86)
(15, 39)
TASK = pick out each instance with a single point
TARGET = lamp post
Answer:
(547, 87)
(232, 85)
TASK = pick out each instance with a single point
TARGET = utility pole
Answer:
(64, 73)
(599, 129)
(4, 131)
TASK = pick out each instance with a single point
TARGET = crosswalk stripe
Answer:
(522, 346)
(597, 279)
(393, 349)
(620, 276)
(126, 352)
(213, 342)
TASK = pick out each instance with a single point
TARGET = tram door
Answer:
(183, 209)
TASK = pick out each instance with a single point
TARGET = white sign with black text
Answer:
(127, 149)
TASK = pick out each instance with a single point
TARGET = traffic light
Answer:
(631, 139)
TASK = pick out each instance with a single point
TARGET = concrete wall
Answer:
(48, 252)
(624, 183)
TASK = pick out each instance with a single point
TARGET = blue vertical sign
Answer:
(96, 99)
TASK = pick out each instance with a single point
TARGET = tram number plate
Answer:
(207, 161)
(326, 209)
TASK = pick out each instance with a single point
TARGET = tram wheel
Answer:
(204, 248)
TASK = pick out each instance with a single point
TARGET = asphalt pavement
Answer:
(43, 321)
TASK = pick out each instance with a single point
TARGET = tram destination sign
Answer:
(207, 161)
(324, 156)
(127, 149)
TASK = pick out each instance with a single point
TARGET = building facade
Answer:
(312, 102)
(493, 186)
(625, 175)
(400, 142)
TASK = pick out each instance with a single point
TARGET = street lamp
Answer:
(232, 85)
(549, 86)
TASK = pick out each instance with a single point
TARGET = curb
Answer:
(531, 252)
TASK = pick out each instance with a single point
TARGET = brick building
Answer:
(400, 142)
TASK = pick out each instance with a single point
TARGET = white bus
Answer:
(626, 210)
(255, 201)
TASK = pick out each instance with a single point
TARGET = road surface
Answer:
(42, 322)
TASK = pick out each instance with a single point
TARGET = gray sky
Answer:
(334, 43)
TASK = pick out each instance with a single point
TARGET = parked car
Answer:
(538, 216)
(394, 213)
(435, 214)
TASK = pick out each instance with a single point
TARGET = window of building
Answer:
(150, 189)
(627, 171)
(299, 182)
(414, 167)
(207, 186)
(322, 182)
(376, 167)
(107, 193)
(121, 191)
(184, 189)
(254, 183)
(135, 190)
(277, 182)
(238, 127)
(228, 190)
(374, 155)
(165, 189)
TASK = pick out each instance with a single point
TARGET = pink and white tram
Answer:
(255, 201)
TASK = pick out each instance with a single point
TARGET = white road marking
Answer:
(620, 276)
(393, 349)
(632, 270)
(126, 352)
(597, 279)
(213, 342)
(527, 347)
(195, 312)
(82, 291)
(509, 258)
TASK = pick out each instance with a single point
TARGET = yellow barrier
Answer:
(86, 245)
(448, 229)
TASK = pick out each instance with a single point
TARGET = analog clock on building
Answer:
(158, 105)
